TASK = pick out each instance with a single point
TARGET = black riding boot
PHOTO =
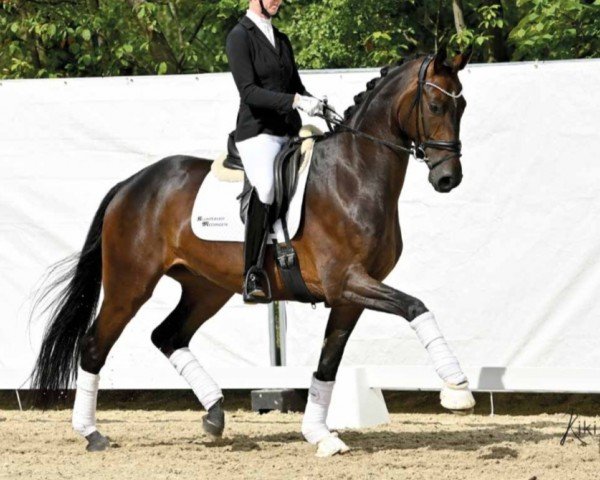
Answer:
(256, 283)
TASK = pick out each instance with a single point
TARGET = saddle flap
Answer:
(287, 165)
(244, 198)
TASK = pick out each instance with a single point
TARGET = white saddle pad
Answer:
(216, 212)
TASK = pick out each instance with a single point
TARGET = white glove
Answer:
(309, 105)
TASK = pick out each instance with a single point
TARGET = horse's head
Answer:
(429, 113)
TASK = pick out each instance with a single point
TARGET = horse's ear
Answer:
(440, 58)
(460, 61)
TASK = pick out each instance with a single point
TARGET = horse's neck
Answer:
(353, 165)
(376, 161)
(357, 164)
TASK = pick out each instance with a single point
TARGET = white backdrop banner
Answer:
(509, 262)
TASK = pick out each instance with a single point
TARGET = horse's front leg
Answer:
(341, 322)
(363, 290)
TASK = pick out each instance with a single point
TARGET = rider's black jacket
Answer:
(267, 79)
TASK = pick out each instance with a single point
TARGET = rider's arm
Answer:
(297, 82)
(240, 63)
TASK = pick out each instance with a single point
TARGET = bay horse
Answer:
(348, 243)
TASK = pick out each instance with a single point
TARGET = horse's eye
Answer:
(435, 108)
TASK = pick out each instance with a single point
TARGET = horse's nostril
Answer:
(445, 183)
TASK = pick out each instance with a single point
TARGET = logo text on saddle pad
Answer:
(213, 221)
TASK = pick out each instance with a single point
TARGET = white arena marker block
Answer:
(354, 404)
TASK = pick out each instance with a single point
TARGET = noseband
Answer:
(418, 151)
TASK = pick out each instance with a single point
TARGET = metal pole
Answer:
(282, 332)
(282, 399)
(19, 400)
(274, 350)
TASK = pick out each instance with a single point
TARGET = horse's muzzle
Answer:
(446, 176)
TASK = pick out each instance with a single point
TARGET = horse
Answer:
(348, 242)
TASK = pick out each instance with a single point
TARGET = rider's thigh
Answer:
(258, 154)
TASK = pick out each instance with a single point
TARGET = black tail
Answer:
(72, 311)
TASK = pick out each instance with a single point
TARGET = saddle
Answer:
(287, 166)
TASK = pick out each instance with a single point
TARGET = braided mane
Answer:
(362, 97)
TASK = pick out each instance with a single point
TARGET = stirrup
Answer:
(256, 294)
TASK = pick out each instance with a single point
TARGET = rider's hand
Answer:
(309, 105)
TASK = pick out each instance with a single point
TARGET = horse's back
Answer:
(163, 175)
(165, 189)
(177, 167)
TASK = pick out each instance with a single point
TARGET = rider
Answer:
(263, 67)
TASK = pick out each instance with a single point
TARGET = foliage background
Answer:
(66, 38)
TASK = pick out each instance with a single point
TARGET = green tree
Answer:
(342, 33)
(59, 38)
(113, 37)
(556, 29)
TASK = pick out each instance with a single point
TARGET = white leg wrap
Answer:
(84, 409)
(444, 361)
(205, 388)
(314, 427)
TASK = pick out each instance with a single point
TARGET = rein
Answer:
(332, 117)
(418, 150)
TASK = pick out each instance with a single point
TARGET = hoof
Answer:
(463, 413)
(330, 446)
(457, 398)
(213, 423)
(97, 442)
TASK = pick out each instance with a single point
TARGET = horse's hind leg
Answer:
(127, 287)
(200, 300)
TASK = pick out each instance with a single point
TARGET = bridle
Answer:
(422, 143)
(418, 148)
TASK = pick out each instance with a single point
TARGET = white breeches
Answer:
(258, 157)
